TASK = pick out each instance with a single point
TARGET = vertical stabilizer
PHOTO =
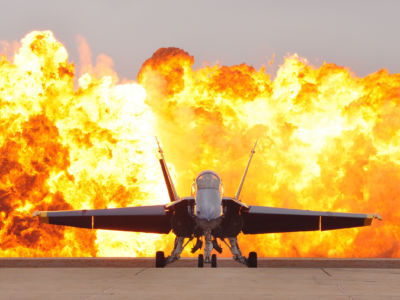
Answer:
(173, 196)
(245, 171)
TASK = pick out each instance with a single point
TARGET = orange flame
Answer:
(328, 140)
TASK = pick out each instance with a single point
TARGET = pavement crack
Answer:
(326, 272)
(140, 271)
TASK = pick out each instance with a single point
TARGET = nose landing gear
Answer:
(213, 261)
(200, 261)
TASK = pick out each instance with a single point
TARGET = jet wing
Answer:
(262, 219)
(141, 218)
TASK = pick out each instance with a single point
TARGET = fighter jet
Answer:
(206, 217)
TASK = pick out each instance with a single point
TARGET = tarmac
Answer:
(136, 278)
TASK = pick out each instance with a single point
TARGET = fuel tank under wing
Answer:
(152, 218)
(263, 219)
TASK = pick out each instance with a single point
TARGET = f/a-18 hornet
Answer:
(207, 215)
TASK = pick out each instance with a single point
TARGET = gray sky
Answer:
(363, 35)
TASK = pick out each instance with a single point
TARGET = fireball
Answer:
(328, 140)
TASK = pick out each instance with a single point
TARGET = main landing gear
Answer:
(251, 261)
(233, 245)
(160, 259)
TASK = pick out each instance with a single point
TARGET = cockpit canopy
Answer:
(208, 180)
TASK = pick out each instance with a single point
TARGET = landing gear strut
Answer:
(251, 262)
(178, 248)
(234, 247)
(208, 245)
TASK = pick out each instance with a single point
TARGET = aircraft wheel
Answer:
(160, 259)
(252, 260)
(213, 261)
(200, 262)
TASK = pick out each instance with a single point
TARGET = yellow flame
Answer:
(328, 140)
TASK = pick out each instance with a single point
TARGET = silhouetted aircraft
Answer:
(205, 215)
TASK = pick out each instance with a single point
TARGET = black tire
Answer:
(213, 261)
(200, 261)
(252, 260)
(160, 259)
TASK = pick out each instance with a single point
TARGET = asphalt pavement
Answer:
(189, 282)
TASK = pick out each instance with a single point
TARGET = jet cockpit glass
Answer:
(208, 181)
